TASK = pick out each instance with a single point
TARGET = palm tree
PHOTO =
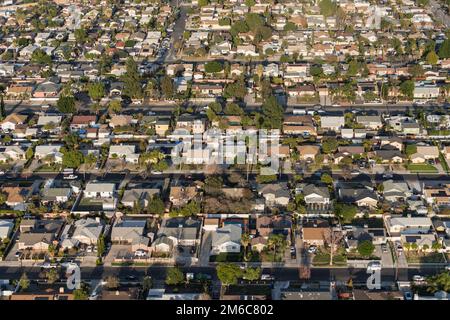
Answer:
(245, 241)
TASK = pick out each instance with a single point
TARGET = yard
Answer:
(227, 257)
(424, 257)
(423, 167)
(322, 258)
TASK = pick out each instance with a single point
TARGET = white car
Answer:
(374, 265)
(312, 249)
(418, 279)
(266, 277)
(140, 253)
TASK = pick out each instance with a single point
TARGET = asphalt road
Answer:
(359, 275)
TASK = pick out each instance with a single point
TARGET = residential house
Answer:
(226, 240)
(276, 194)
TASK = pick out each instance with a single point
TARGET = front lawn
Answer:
(422, 167)
(424, 257)
(322, 258)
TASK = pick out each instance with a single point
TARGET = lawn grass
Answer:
(422, 167)
(443, 162)
(419, 257)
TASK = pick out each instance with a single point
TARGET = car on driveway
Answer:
(418, 279)
(384, 248)
(312, 249)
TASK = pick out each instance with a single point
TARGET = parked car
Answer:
(418, 279)
(267, 277)
(312, 249)
(374, 265)
(384, 248)
(140, 253)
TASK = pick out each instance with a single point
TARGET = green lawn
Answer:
(420, 257)
(443, 162)
(422, 167)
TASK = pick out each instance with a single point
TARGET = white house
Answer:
(226, 240)
(127, 152)
(99, 189)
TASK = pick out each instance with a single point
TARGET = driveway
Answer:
(205, 248)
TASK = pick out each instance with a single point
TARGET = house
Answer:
(133, 196)
(6, 226)
(99, 190)
(422, 241)
(126, 152)
(161, 127)
(60, 195)
(38, 235)
(334, 123)
(267, 225)
(316, 197)
(17, 196)
(396, 191)
(13, 153)
(428, 152)
(120, 120)
(437, 195)
(226, 240)
(397, 225)
(358, 234)
(130, 232)
(84, 231)
(275, 194)
(46, 89)
(308, 152)
(389, 156)
(258, 243)
(372, 122)
(180, 196)
(48, 152)
(47, 120)
(362, 197)
(315, 232)
(12, 121)
(81, 122)
(177, 231)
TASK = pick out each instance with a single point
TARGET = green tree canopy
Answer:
(66, 104)
(96, 91)
(174, 276)
(366, 248)
(228, 273)
(272, 113)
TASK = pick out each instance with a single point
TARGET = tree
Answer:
(366, 248)
(440, 282)
(245, 241)
(202, 3)
(213, 67)
(345, 211)
(96, 91)
(432, 58)
(327, 7)
(132, 80)
(174, 276)
(115, 106)
(82, 293)
(236, 90)
(66, 104)
(272, 113)
(39, 56)
(80, 36)
(407, 88)
(24, 283)
(2, 108)
(52, 276)
(250, 3)
(228, 273)
(233, 109)
(252, 274)
(326, 178)
(254, 20)
(101, 246)
(444, 49)
(72, 159)
(155, 205)
(167, 88)
(216, 107)
(329, 145)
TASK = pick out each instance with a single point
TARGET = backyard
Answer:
(424, 257)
